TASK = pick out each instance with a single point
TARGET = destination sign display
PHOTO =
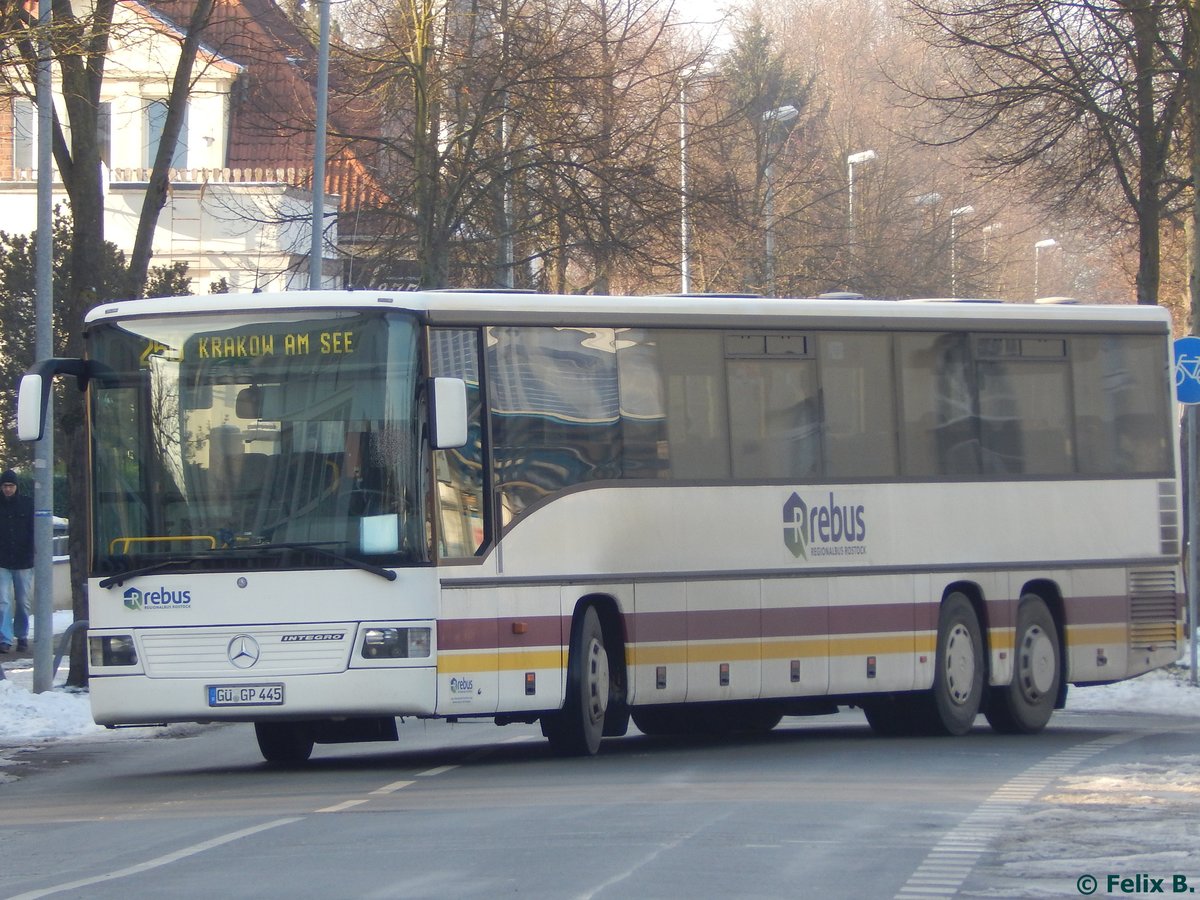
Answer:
(303, 343)
(247, 343)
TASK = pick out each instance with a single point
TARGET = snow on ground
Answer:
(1097, 820)
(29, 719)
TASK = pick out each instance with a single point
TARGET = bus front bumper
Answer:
(140, 700)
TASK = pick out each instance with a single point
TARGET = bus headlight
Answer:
(418, 642)
(112, 650)
(395, 643)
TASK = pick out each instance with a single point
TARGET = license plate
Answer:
(245, 695)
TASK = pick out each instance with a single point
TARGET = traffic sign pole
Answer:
(1193, 548)
(1187, 391)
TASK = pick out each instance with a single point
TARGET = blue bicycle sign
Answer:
(1187, 369)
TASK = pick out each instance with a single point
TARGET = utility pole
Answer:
(43, 450)
(316, 258)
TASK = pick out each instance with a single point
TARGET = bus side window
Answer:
(459, 473)
(774, 418)
(858, 404)
(1120, 405)
(940, 424)
(694, 398)
(555, 417)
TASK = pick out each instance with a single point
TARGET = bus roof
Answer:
(519, 308)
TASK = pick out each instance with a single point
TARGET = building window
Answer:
(24, 130)
(156, 119)
(104, 133)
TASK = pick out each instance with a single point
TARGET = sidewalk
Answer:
(24, 660)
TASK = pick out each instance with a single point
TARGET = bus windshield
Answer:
(236, 441)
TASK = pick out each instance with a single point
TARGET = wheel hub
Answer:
(1036, 663)
(597, 681)
(960, 665)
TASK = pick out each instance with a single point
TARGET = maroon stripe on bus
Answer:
(773, 622)
(1096, 610)
(885, 617)
(466, 634)
(487, 634)
(751, 624)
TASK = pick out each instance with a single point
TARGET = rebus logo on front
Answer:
(156, 599)
(826, 529)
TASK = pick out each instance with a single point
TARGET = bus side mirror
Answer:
(448, 413)
(33, 396)
(32, 399)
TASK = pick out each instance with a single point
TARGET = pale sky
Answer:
(705, 11)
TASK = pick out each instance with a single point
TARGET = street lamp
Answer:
(1041, 245)
(853, 160)
(771, 118)
(954, 214)
(685, 225)
(316, 260)
(685, 250)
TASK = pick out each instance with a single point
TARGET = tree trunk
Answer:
(82, 74)
(1193, 122)
(160, 178)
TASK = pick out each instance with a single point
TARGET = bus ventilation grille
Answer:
(1168, 518)
(1153, 609)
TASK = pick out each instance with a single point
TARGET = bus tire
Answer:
(958, 679)
(1025, 705)
(284, 743)
(576, 729)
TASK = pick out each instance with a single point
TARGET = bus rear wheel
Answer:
(1025, 705)
(576, 729)
(284, 743)
(958, 680)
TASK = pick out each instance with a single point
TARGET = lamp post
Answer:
(693, 73)
(855, 159)
(954, 214)
(1041, 245)
(43, 458)
(315, 254)
(771, 118)
(685, 250)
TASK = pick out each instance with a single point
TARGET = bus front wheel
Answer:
(284, 743)
(958, 680)
(1025, 705)
(576, 729)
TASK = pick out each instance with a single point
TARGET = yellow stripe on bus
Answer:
(1079, 635)
(507, 660)
(807, 648)
(1000, 639)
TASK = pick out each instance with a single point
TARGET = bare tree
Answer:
(523, 141)
(156, 190)
(1082, 99)
(80, 46)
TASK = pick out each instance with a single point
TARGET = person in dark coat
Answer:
(16, 563)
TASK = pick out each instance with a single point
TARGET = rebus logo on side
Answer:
(827, 529)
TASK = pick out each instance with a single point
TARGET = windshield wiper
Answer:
(120, 578)
(323, 551)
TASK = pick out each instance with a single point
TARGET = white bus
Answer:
(319, 512)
